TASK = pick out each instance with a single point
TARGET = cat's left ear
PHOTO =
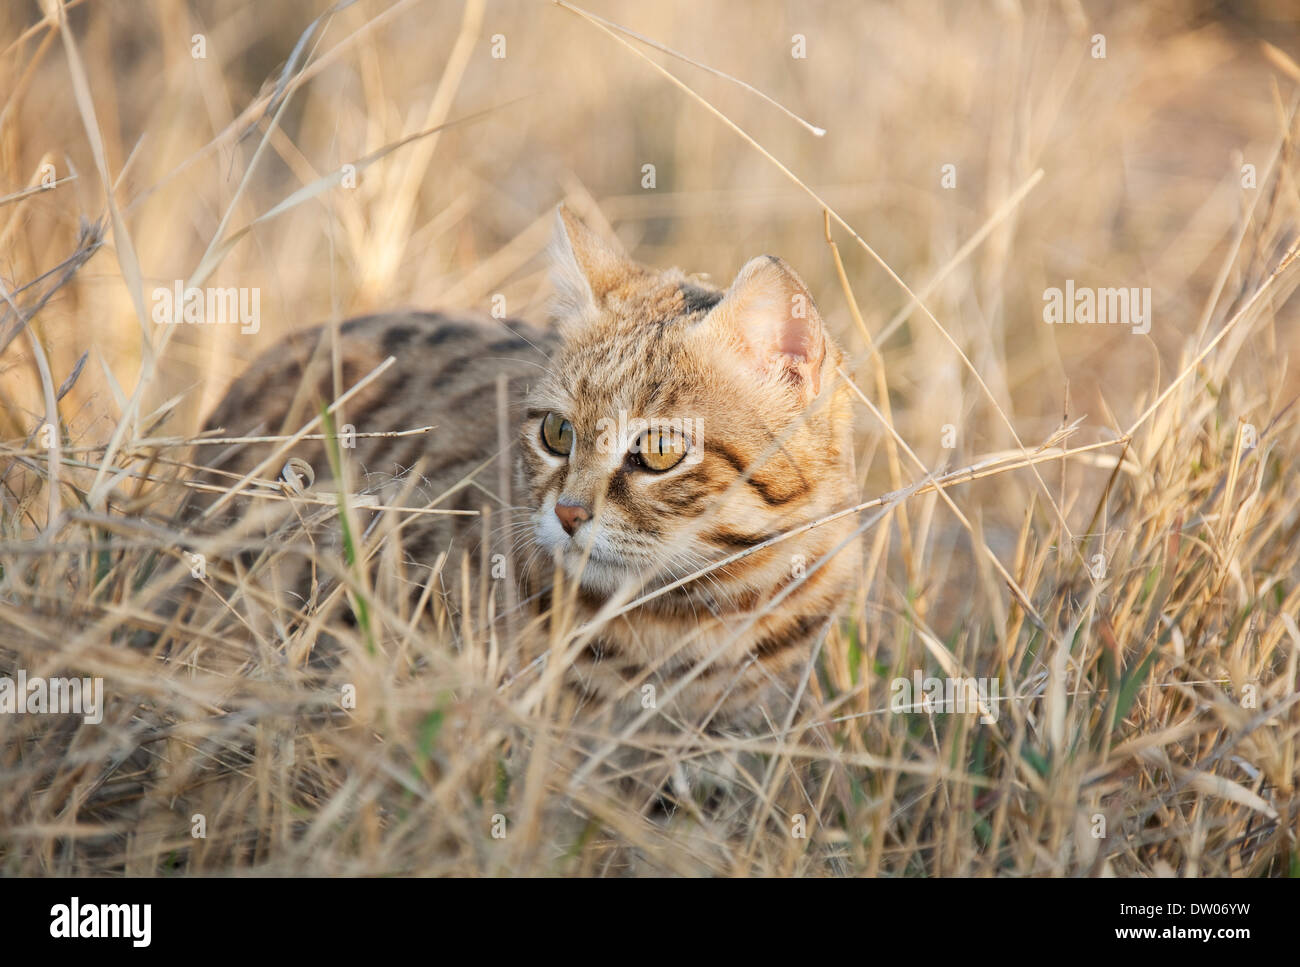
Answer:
(584, 267)
(769, 315)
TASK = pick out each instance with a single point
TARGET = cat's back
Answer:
(444, 373)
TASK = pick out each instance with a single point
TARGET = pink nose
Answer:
(571, 515)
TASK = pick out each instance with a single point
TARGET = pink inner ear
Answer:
(775, 333)
(759, 314)
(793, 338)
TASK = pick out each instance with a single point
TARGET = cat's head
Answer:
(678, 423)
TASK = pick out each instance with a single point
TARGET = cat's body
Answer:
(444, 375)
(750, 428)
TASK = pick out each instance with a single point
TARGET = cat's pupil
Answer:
(659, 449)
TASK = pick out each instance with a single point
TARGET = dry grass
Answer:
(1126, 565)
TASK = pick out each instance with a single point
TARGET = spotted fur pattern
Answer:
(750, 370)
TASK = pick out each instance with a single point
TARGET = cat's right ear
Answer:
(769, 316)
(584, 267)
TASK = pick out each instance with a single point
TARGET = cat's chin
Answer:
(597, 569)
(601, 572)
(596, 572)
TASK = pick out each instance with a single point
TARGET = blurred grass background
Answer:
(1141, 154)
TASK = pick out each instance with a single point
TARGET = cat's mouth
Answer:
(596, 556)
(595, 569)
(590, 557)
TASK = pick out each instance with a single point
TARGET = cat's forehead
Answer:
(660, 299)
(634, 368)
(637, 349)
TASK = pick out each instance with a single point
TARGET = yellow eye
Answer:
(557, 434)
(659, 449)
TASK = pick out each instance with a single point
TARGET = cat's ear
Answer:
(769, 316)
(584, 267)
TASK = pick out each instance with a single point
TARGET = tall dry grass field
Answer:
(1100, 521)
